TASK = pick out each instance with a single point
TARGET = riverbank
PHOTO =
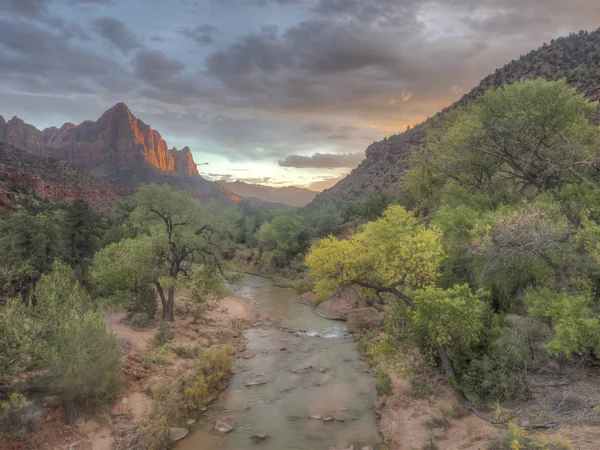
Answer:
(220, 327)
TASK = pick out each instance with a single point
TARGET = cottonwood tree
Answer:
(527, 137)
(175, 236)
(398, 256)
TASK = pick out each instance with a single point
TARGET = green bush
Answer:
(84, 362)
(383, 384)
(186, 352)
(139, 321)
(164, 334)
(60, 333)
(419, 388)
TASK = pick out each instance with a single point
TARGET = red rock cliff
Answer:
(117, 137)
(184, 161)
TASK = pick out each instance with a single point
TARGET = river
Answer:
(316, 373)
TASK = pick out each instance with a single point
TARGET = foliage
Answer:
(32, 239)
(520, 139)
(282, 238)
(576, 326)
(164, 335)
(419, 388)
(383, 383)
(174, 231)
(19, 416)
(516, 438)
(397, 248)
(139, 321)
(60, 332)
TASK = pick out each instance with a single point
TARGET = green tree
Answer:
(398, 256)
(174, 233)
(285, 236)
(526, 137)
(29, 245)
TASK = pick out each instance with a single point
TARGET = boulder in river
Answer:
(256, 383)
(223, 427)
(308, 298)
(247, 354)
(363, 319)
(177, 434)
(342, 447)
(338, 306)
(259, 437)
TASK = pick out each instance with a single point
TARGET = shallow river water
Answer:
(315, 373)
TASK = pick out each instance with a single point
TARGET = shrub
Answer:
(139, 321)
(420, 388)
(517, 438)
(84, 363)
(186, 352)
(164, 334)
(18, 416)
(383, 384)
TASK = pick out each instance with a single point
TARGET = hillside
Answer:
(22, 174)
(287, 195)
(575, 58)
(118, 148)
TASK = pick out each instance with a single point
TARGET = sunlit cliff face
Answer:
(254, 87)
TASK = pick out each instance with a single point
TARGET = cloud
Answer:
(35, 59)
(202, 34)
(323, 161)
(116, 32)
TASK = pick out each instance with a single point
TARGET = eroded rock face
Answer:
(338, 307)
(363, 319)
(117, 138)
(19, 134)
(184, 162)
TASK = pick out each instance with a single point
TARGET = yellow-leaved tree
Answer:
(397, 255)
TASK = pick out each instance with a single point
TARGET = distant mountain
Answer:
(575, 58)
(118, 148)
(288, 195)
(23, 174)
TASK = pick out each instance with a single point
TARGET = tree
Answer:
(29, 245)
(174, 234)
(526, 137)
(398, 256)
(285, 236)
(82, 234)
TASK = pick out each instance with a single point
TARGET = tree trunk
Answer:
(163, 300)
(447, 365)
(171, 304)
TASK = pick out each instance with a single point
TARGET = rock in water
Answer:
(256, 383)
(177, 434)
(247, 354)
(337, 307)
(259, 437)
(363, 319)
(308, 298)
(223, 427)
(342, 447)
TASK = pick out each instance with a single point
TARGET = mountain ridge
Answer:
(287, 195)
(575, 57)
(118, 148)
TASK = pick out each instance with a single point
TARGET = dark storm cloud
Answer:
(155, 67)
(29, 8)
(34, 58)
(323, 161)
(202, 34)
(117, 33)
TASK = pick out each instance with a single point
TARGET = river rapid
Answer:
(317, 394)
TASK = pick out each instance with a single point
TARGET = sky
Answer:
(278, 92)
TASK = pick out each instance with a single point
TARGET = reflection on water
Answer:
(315, 373)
